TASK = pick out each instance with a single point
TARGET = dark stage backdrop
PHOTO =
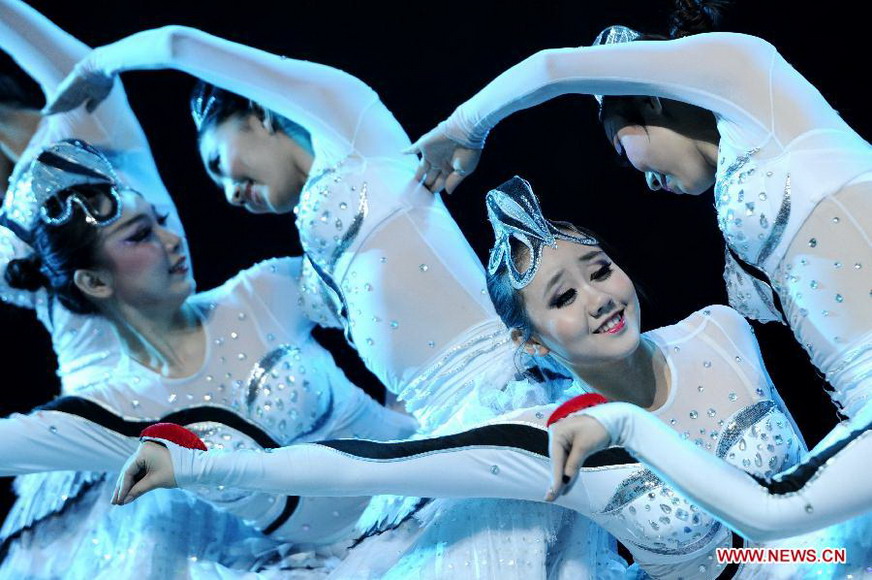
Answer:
(423, 59)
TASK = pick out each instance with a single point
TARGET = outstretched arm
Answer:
(828, 487)
(724, 73)
(58, 441)
(502, 461)
(329, 103)
(48, 54)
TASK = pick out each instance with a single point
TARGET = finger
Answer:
(54, 107)
(558, 462)
(143, 486)
(453, 180)
(421, 173)
(413, 149)
(431, 178)
(573, 462)
(125, 483)
(439, 183)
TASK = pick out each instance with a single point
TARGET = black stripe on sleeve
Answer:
(510, 435)
(96, 414)
(800, 476)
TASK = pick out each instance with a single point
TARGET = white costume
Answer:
(827, 487)
(720, 398)
(45, 530)
(264, 383)
(386, 261)
(794, 181)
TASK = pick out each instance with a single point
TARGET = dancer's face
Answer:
(582, 306)
(256, 166)
(663, 150)
(140, 262)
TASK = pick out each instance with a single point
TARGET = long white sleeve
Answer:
(48, 54)
(58, 441)
(725, 73)
(422, 468)
(332, 105)
(818, 496)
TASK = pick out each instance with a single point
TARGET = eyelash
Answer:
(566, 298)
(141, 235)
(563, 299)
(603, 273)
(147, 231)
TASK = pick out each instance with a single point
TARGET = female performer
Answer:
(793, 182)
(383, 259)
(565, 298)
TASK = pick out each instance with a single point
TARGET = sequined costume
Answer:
(793, 179)
(827, 487)
(386, 262)
(264, 383)
(62, 524)
(85, 346)
(720, 398)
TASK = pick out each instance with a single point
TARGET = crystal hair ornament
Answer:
(514, 213)
(616, 34)
(205, 99)
(59, 167)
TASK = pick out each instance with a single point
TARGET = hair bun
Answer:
(26, 273)
(695, 16)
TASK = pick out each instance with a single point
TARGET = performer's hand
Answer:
(571, 441)
(149, 468)
(85, 85)
(444, 162)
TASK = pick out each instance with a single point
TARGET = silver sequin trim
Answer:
(631, 488)
(688, 548)
(742, 421)
(778, 229)
(263, 367)
(352, 231)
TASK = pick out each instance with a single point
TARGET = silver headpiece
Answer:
(59, 167)
(514, 212)
(616, 34)
(201, 106)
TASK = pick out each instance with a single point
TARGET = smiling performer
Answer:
(384, 260)
(563, 297)
(793, 182)
(237, 364)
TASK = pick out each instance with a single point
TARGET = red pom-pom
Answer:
(575, 404)
(175, 433)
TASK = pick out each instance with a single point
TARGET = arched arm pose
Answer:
(564, 298)
(237, 364)
(85, 346)
(827, 487)
(792, 180)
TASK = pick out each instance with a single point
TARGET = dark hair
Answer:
(211, 106)
(508, 302)
(59, 251)
(695, 16)
(688, 17)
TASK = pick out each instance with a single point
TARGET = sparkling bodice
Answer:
(264, 383)
(721, 399)
(386, 262)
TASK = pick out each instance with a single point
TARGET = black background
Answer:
(424, 59)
